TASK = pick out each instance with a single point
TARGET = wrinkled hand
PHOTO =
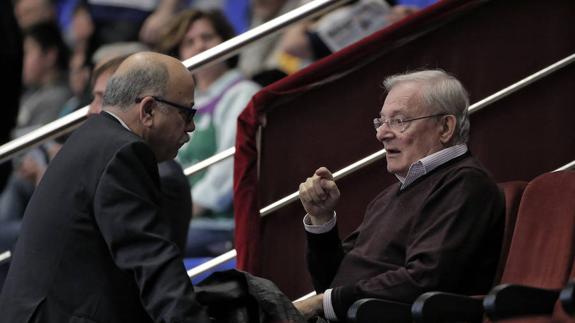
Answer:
(310, 307)
(319, 196)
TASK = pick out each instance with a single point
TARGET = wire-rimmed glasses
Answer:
(400, 124)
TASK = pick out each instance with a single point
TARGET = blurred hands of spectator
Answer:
(31, 12)
(399, 12)
(32, 167)
(153, 25)
(295, 42)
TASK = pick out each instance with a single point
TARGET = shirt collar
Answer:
(431, 162)
(119, 120)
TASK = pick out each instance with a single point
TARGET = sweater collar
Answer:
(430, 162)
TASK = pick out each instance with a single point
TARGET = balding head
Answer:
(142, 73)
(152, 93)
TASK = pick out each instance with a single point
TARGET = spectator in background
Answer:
(79, 72)
(439, 228)
(222, 92)
(127, 20)
(32, 12)
(11, 67)
(308, 41)
(44, 76)
(259, 60)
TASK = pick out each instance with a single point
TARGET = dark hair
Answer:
(176, 31)
(48, 36)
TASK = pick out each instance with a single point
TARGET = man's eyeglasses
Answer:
(399, 124)
(188, 113)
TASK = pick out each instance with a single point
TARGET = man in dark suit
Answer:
(94, 246)
(177, 199)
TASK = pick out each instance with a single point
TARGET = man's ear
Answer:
(146, 109)
(447, 128)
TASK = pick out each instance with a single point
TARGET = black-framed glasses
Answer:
(188, 113)
(400, 124)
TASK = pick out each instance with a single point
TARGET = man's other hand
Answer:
(310, 307)
(319, 196)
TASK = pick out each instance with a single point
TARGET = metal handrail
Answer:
(568, 166)
(472, 109)
(208, 57)
(210, 161)
(212, 263)
(51, 130)
(336, 176)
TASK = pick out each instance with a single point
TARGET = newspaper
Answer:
(352, 23)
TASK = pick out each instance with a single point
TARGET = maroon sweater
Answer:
(443, 232)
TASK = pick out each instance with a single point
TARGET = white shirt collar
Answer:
(119, 120)
(431, 162)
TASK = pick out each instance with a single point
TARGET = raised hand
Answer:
(319, 196)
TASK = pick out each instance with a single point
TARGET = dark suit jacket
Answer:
(93, 245)
(176, 200)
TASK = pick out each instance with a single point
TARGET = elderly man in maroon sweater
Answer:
(438, 228)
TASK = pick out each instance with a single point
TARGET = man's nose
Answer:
(191, 126)
(384, 133)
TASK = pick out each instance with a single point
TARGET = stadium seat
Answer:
(538, 263)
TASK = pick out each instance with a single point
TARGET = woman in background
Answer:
(222, 92)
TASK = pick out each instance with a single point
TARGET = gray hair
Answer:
(123, 89)
(441, 92)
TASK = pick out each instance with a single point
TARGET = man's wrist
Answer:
(321, 219)
(319, 229)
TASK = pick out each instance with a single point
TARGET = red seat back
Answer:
(542, 248)
(512, 192)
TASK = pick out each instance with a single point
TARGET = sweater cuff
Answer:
(318, 229)
(341, 299)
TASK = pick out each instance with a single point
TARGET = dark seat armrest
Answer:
(373, 310)
(568, 298)
(446, 307)
(509, 301)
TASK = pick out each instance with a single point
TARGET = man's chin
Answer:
(166, 157)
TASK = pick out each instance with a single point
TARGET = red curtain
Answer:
(322, 116)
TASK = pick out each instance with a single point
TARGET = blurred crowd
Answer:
(58, 44)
